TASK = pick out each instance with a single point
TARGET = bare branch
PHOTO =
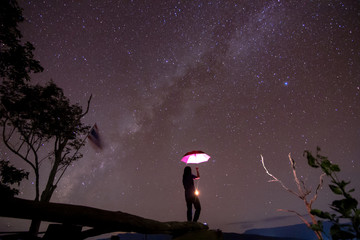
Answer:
(303, 185)
(303, 192)
(39, 144)
(47, 156)
(274, 179)
(87, 107)
(28, 149)
(318, 188)
(21, 145)
(61, 168)
(6, 142)
(10, 133)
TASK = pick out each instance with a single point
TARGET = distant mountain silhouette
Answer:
(299, 231)
(226, 236)
(237, 236)
(139, 236)
(292, 232)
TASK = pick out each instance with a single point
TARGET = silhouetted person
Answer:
(190, 196)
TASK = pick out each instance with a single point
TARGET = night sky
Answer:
(234, 79)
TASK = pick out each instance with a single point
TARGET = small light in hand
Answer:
(197, 192)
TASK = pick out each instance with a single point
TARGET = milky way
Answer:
(233, 79)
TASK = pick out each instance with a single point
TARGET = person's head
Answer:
(187, 171)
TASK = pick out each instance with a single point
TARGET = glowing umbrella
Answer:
(195, 157)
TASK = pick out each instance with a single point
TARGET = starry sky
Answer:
(234, 79)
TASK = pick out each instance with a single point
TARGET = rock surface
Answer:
(100, 221)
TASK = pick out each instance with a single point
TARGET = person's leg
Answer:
(189, 209)
(197, 209)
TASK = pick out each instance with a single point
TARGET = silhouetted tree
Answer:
(302, 192)
(37, 122)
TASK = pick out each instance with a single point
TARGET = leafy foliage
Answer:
(346, 221)
(10, 175)
(40, 110)
(16, 59)
(35, 120)
(33, 117)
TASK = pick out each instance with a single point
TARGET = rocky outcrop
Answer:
(100, 221)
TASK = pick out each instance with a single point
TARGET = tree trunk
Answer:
(313, 220)
(45, 198)
(34, 227)
(46, 194)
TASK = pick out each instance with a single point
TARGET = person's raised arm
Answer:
(197, 173)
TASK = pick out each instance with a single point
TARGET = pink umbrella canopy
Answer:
(195, 157)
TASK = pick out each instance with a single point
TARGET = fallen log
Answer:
(102, 221)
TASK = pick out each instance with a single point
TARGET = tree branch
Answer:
(303, 192)
(87, 107)
(298, 214)
(317, 189)
(6, 142)
(21, 145)
(11, 132)
(274, 179)
(47, 156)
